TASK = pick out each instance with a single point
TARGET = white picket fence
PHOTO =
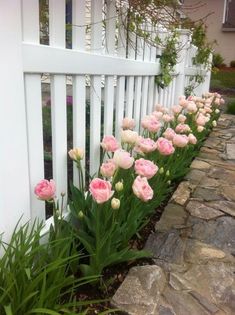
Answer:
(129, 90)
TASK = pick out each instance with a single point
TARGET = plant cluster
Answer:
(135, 176)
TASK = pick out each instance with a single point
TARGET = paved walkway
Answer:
(194, 242)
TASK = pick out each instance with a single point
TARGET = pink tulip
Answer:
(128, 123)
(169, 133)
(201, 120)
(165, 146)
(109, 143)
(45, 190)
(142, 189)
(182, 128)
(123, 159)
(151, 123)
(180, 141)
(181, 118)
(176, 109)
(108, 168)
(192, 139)
(145, 168)
(100, 190)
(145, 145)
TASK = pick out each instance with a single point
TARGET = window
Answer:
(229, 15)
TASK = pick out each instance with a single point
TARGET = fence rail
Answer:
(123, 71)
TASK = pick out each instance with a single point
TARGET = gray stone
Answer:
(222, 174)
(198, 209)
(230, 150)
(167, 246)
(195, 176)
(183, 303)
(219, 233)
(228, 192)
(209, 182)
(222, 205)
(140, 292)
(197, 252)
(200, 165)
(173, 216)
(207, 194)
(182, 193)
(217, 276)
(204, 302)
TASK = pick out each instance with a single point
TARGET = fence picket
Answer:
(130, 79)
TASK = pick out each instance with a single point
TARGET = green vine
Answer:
(168, 60)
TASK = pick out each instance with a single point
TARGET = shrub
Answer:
(231, 108)
(232, 64)
(217, 60)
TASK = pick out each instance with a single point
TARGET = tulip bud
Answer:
(217, 111)
(80, 215)
(214, 123)
(161, 170)
(169, 182)
(167, 173)
(119, 186)
(76, 154)
(115, 203)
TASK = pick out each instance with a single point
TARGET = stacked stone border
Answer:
(194, 243)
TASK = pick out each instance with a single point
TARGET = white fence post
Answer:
(14, 172)
(180, 79)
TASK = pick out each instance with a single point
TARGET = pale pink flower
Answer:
(180, 141)
(45, 190)
(158, 114)
(108, 168)
(100, 190)
(123, 159)
(183, 102)
(165, 146)
(169, 133)
(145, 168)
(192, 107)
(128, 123)
(146, 145)
(129, 136)
(176, 109)
(200, 128)
(76, 154)
(142, 189)
(192, 139)
(167, 118)
(109, 143)
(222, 101)
(159, 108)
(151, 123)
(201, 120)
(181, 118)
(182, 128)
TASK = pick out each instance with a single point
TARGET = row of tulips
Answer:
(135, 176)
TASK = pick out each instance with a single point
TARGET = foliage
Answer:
(217, 60)
(35, 276)
(223, 79)
(231, 107)
(232, 63)
(168, 61)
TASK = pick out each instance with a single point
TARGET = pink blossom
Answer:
(180, 141)
(159, 108)
(176, 109)
(169, 133)
(45, 190)
(142, 189)
(128, 123)
(165, 146)
(129, 136)
(145, 168)
(201, 120)
(181, 118)
(109, 143)
(146, 145)
(192, 139)
(183, 102)
(151, 123)
(123, 159)
(108, 168)
(100, 190)
(192, 107)
(157, 114)
(182, 128)
(167, 118)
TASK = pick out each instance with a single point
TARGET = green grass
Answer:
(231, 106)
(223, 79)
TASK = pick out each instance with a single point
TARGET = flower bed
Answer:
(134, 178)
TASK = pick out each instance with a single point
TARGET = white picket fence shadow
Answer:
(127, 83)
